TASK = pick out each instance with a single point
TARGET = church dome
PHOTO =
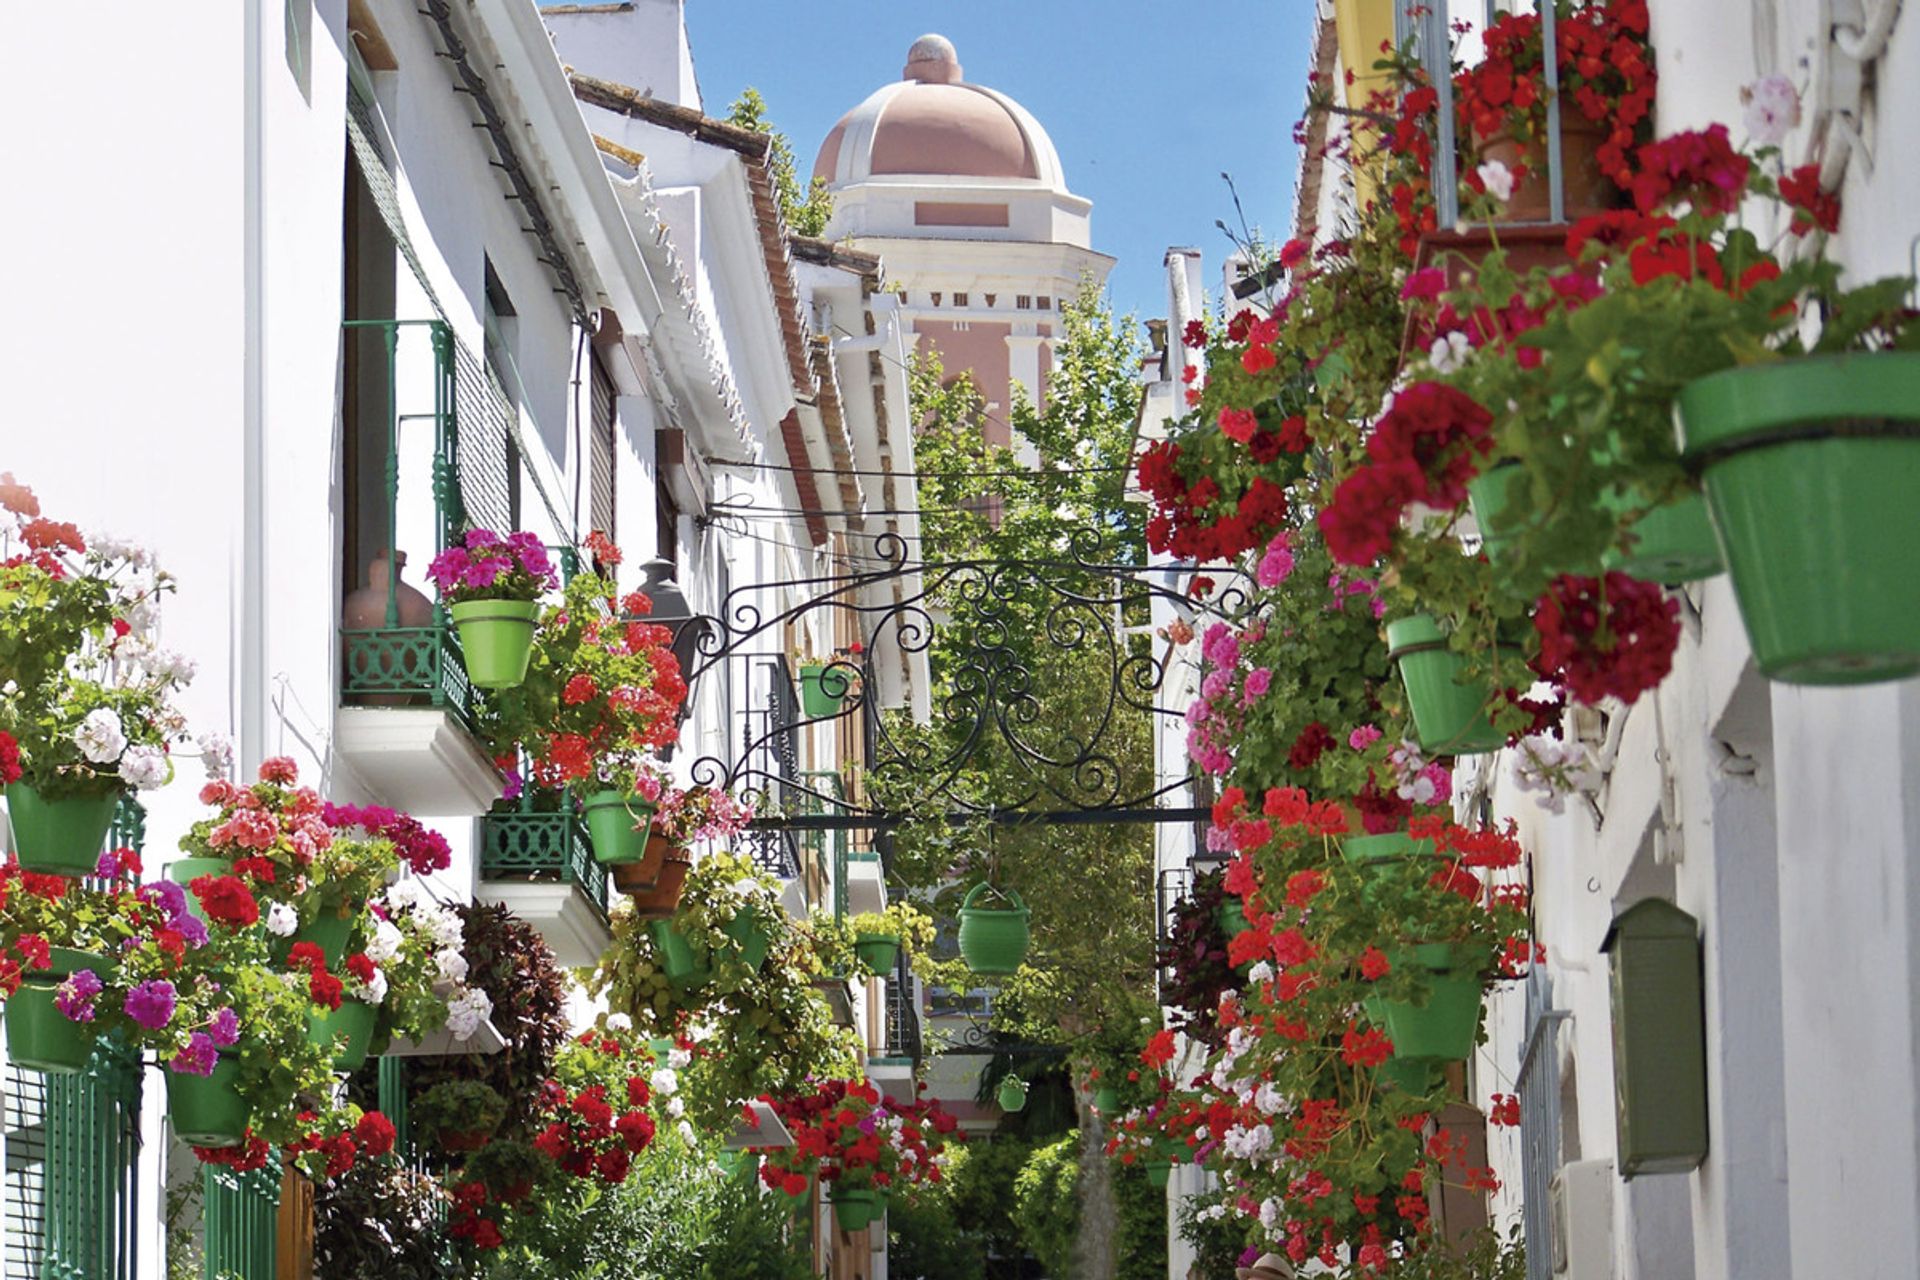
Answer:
(931, 123)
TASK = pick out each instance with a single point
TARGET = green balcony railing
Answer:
(241, 1219)
(532, 844)
(93, 1141)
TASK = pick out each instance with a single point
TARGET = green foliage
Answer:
(981, 1190)
(1217, 1241)
(761, 1029)
(1140, 1252)
(925, 1238)
(381, 1221)
(1046, 1206)
(459, 1107)
(1489, 1256)
(678, 1216)
(807, 208)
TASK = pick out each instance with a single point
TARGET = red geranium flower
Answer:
(226, 900)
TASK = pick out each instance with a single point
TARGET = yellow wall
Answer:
(1361, 26)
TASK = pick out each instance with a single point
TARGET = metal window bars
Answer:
(1424, 27)
(1538, 1082)
(770, 750)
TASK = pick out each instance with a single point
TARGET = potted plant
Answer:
(492, 587)
(1012, 1093)
(827, 683)
(861, 1144)
(88, 704)
(60, 941)
(880, 936)
(602, 693)
(685, 818)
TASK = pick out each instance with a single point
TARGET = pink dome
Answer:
(931, 123)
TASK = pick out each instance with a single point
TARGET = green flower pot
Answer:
(496, 639)
(1450, 718)
(879, 952)
(677, 958)
(1671, 544)
(750, 931)
(822, 694)
(1446, 1026)
(1012, 1094)
(1495, 495)
(1158, 1171)
(1386, 851)
(354, 1021)
(1414, 1076)
(618, 824)
(855, 1210)
(1809, 469)
(208, 1111)
(185, 871)
(39, 1036)
(59, 837)
(331, 933)
(1231, 916)
(1106, 1100)
(993, 940)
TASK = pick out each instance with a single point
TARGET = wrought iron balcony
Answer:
(538, 862)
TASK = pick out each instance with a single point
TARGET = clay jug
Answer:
(402, 668)
(365, 609)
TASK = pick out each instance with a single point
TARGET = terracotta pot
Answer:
(365, 609)
(657, 900)
(1586, 189)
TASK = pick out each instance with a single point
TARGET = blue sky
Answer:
(1147, 103)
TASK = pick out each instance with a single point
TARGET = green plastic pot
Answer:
(618, 824)
(1809, 468)
(879, 952)
(1012, 1094)
(855, 1210)
(1671, 544)
(354, 1020)
(496, 639)
(1232, 918)
(677, 959)
(208, 1111)
(1446, 1025)
(1450, 718)
(330, 933)
(1106, 1100)
(821, 695)
(1385, 851)
(1158, 1171)
(59, 837)
(750, 931)
(39, 1036)
(1495, 497)
(993, 940)
(1409, 1075)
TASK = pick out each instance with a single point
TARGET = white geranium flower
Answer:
(100, 737)
(373, 991)
(466, 1011)
(1773, 109)
(1498, 180)
(1259, 973)
(144, 768)
(405, 895)
(679, 1059)
(665, 1080)
(442, 925)
(1449, 352)
(1269, 1100)
(385, 943)
(450, 965)
(282, 920)
(1271, 1212)
(619, 1022)
(216, 754)
(676, 1108)
(686, 1132)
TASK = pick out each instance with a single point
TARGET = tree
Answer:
(806, 207)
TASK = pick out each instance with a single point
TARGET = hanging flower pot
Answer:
(1232, 917)
(1158, 1172)
(750, 931)
(620, 825)
(1449, 717)
(855, 1208)
(1012, 1094)
(677, 959)
(1496, 497)
(62, 836)
(822, 694)
(1408, 1075)
(1106, 1100)
(39, 1036)
(349, 1029)
(879, 952)
(1446, 1025)
(1808, 467)
(993, 940)
(496, 639)
(330, 932)
(208, 1111)
(655, 899)
(1670, 544)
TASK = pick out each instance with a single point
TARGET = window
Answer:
(601, 450)
(990, 297)
(1046, 303)
(298, 23)
(959, 299)
(936, 299)
(502, 333)
(1022, 302)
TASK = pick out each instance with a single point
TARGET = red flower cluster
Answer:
(587, 1136)
(1613, 635)
(322, 987)
(1424, 449)
(1194, 517)
(849, 1133)
(9, 758)
(371, 1136)
(226, 900)
(1700, 166)
(1812, 208)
